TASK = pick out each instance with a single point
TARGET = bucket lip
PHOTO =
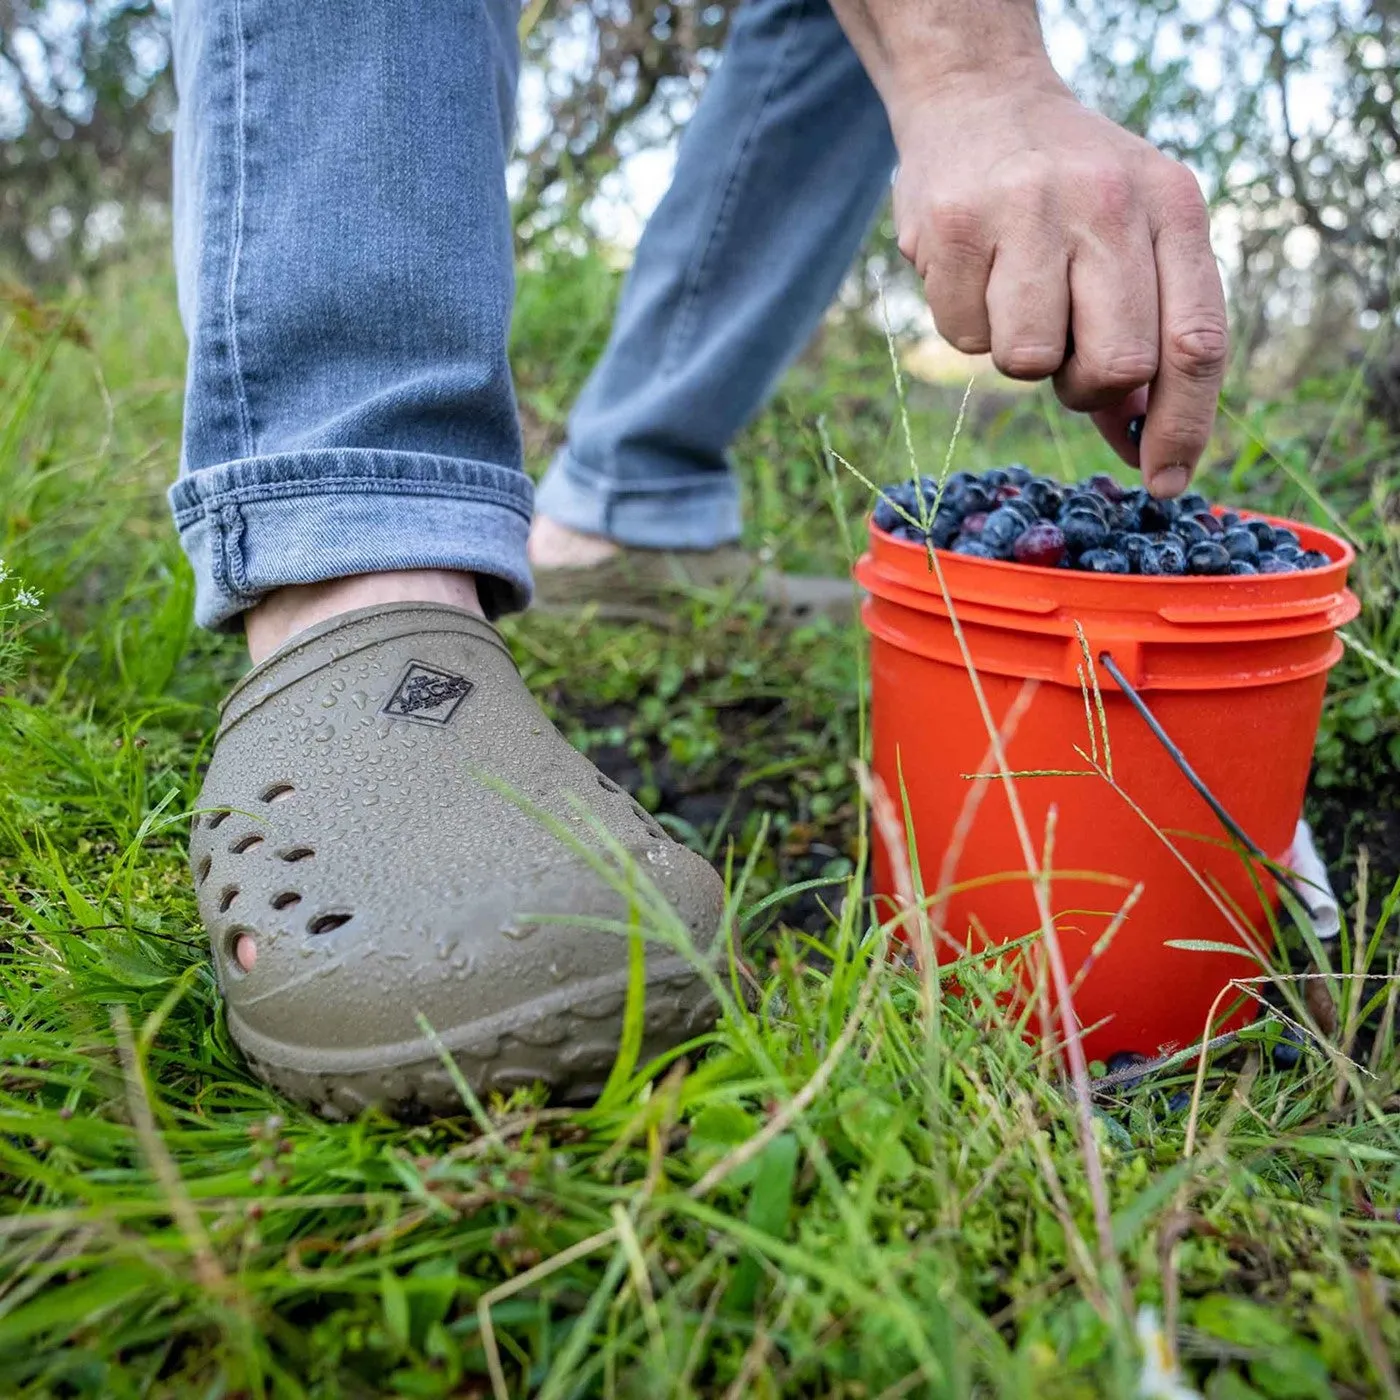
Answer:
(906, 563)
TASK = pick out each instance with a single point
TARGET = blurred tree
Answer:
(1289, 109)
(614, 78)
(86, 104)
(1290, 112)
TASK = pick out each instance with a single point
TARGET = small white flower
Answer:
(4, 571)
(1160, 1379)
(28, 598)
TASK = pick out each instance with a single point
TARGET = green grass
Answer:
(860, 1186)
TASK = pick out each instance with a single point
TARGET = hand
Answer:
(1068, 248)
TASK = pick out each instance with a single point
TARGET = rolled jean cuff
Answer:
(690, 511)
(262, 523)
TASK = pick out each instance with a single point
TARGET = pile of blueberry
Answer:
(1099, 526)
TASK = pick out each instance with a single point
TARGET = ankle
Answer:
(284, 613)
(556, 546)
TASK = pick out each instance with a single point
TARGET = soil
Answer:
(712, 800)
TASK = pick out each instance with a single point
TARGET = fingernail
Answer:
(1169, 481)
(1135, 427)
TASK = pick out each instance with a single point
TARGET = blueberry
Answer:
(972, 547)
(1275, 564)
(1083, 530)
(1314, 559)
(886, 514)
(1157, 515)
(1024, 509)
(1291, 552)
(1103, 561)
(1179, 1102)
(973, 524)
(1124, 1059)
(1003, 528)
(1019, 474)
(998, 476)
(1190, 531)
(1289, 1049)
(1240, 544)
(974, 497)
(1192, 503)
(1208, 558)
(1145, 559)
(1043, 545)
(1263, 533)
(1171, 555)
(1283, 535)
(1088, 500)
(1241, 566)
(1131, 508)
(1229, 519)
(947, 525)
(913, 533)
(1045, 496)
(1105, 486)
(1209, 523)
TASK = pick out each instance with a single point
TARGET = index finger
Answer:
(1194, 340)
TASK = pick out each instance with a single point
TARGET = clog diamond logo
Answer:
(427, 695)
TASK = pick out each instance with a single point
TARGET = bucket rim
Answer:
(1340, 552)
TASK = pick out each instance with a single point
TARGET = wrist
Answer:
(918, 93)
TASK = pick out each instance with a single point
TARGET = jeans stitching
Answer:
(233, 530)
(690, 294)
(357, 486)
(236, 252)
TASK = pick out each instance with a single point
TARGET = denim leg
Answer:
(778, 178)
(343, 249)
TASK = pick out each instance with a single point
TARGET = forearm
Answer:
(914, 49)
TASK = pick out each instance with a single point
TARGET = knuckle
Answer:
(959, 227)
(960, 329)
(1027, 360)
(971, 342)
(1198, 349)
(1183, 202)
(1181, 441)
(1113, 194)
(1117, 367)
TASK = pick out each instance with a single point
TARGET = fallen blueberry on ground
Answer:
(1289, 1050)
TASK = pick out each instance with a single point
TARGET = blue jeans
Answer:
(343, 251)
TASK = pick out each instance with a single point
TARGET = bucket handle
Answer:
(1188, 772)
(1140, 705)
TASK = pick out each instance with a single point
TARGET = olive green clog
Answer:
(362, 823)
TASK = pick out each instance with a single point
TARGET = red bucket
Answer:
(1233, 668)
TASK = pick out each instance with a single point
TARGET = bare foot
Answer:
(556, 546)
(291, 610)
